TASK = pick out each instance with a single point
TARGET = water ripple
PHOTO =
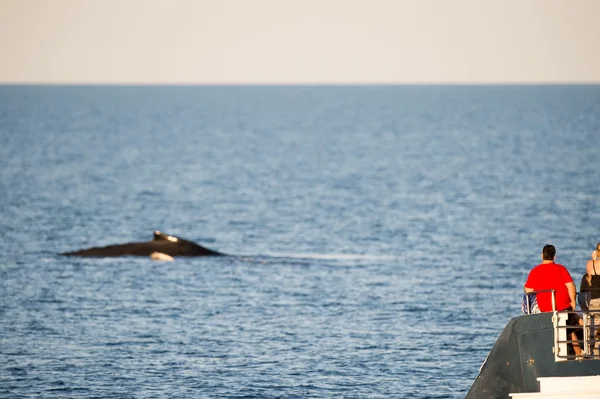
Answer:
(380, 236)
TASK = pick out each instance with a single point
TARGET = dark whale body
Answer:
(163, 243)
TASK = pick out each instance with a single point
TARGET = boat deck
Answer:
(587, 387)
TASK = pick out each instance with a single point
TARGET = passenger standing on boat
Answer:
(552, 276)
(593, 274)
(591, 283)
(591, 280)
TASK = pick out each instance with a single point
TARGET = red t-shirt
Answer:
(550, 276)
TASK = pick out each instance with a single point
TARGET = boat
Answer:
(533, 358)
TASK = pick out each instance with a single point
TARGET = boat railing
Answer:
(587, 330)
(587, 339)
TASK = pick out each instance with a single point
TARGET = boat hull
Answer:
(522, 353)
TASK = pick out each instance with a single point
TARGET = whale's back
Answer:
(170, 245)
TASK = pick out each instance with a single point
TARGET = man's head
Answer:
(549, 252)
(598, 247)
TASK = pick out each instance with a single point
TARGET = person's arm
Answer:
(530, 281)
(585, 283)
(572, 293)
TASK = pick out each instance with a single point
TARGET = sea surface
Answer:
(379, 236)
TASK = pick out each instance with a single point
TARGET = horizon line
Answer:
(304, 84)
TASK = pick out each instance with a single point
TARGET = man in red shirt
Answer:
(552, 276)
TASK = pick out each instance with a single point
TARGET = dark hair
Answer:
(548, 252)
(598, 247)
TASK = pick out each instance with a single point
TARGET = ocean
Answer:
(380, 236)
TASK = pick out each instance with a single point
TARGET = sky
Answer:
(299, 41)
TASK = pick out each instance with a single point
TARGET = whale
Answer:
(161, 243)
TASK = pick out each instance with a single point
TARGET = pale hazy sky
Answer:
(299, 41)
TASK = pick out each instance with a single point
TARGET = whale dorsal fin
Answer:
(158, 236)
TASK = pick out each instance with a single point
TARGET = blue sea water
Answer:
(381, 235)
